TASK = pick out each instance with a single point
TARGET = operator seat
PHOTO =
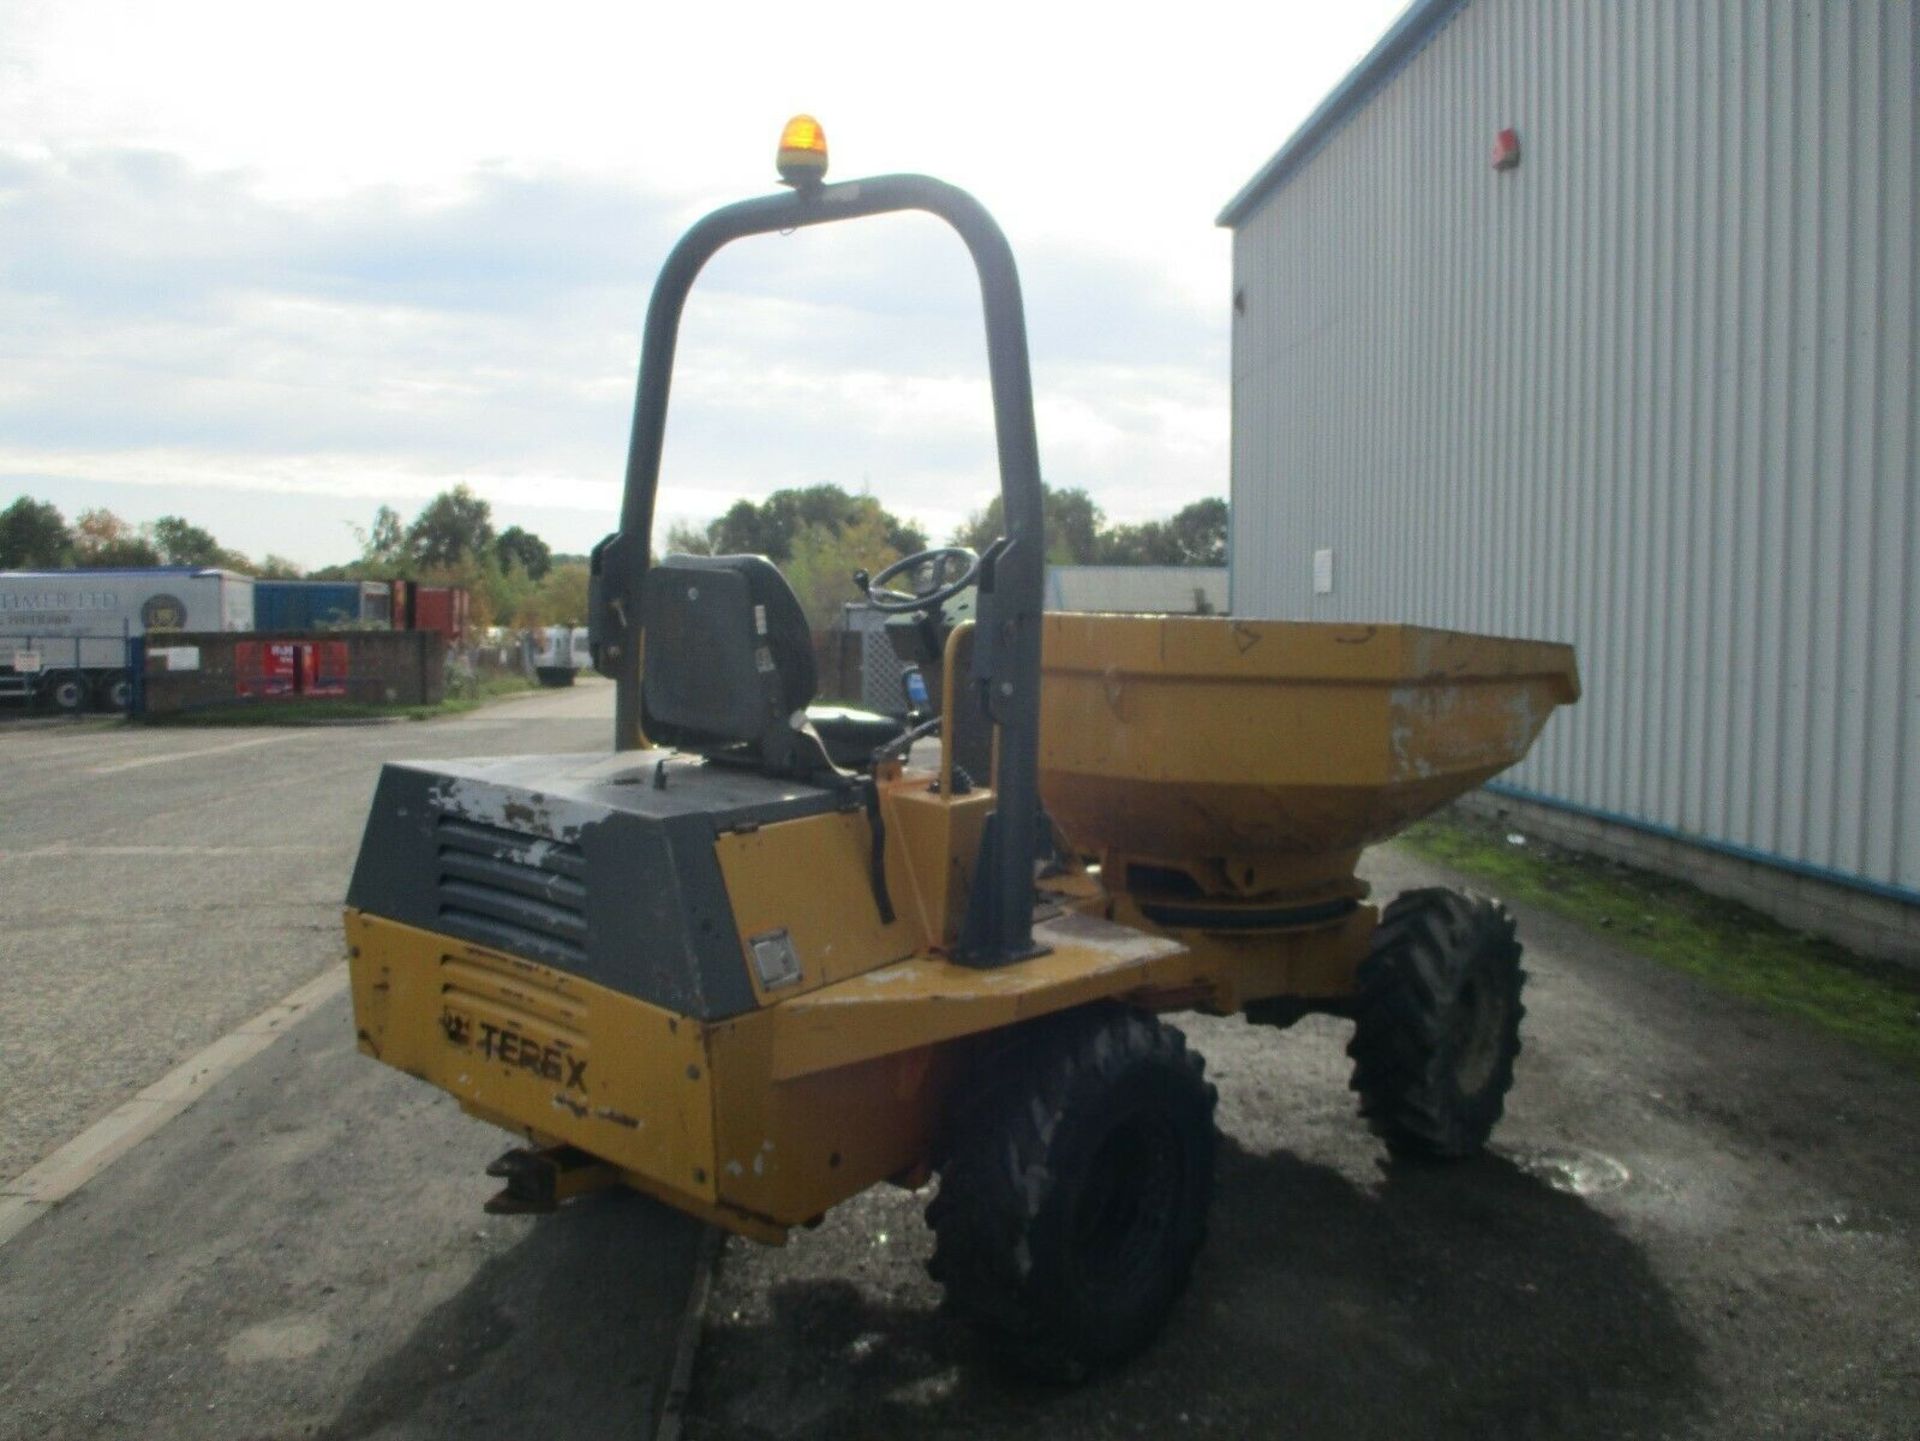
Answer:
(728, 671)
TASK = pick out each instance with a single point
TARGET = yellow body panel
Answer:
(1280, 746)
(812, 878)
(539, 1050)
(927, 999)
(939, 838)
(765, 1120)
(791, 1147)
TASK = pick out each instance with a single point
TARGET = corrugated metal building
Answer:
(1650, 390)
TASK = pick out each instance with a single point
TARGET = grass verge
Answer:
(1874, 1004)
(320, 712)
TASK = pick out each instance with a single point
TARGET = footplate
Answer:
(538, 1181)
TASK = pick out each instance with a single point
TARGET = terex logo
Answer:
(550, 1062)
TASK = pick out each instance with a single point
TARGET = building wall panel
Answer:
(1652, 393)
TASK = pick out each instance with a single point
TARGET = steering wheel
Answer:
(942, 558)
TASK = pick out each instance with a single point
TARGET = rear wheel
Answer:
(1437, 1023)
(113, 691)
(1075, 1196)
(65, 691)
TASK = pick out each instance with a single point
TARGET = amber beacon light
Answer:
(803, 152)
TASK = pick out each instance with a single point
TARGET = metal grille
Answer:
(880, 668)
(519, 892)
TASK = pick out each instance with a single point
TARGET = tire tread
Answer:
(998, 1178)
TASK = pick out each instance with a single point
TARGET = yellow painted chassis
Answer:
(1288, 746)
(763, 1121)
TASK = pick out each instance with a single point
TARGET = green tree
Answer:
(384, 544)
(743, 530)
(33, 534)
(685, 539)
(561, 598)
(772, 527)
(824, 559)
(278, 567)
(103, 541)
(1151, 542)
(455, 526)
(1073, 525)
(1199, 532)
(180, 542)
(523, 548)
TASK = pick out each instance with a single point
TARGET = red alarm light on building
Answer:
(1506, 149)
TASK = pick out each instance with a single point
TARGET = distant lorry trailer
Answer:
(309, 605)
(64, 634)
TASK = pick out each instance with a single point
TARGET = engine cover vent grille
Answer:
(512, 890)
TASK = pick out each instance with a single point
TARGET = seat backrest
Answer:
(728, 655)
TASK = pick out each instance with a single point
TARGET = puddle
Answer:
(1569, 1169)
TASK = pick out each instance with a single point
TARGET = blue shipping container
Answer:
(308, 605)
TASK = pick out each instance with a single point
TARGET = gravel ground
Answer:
(1697, 1221)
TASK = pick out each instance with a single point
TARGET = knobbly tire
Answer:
(1073, 1197)
(1437, 1023)
(65, 692)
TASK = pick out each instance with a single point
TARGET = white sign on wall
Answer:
(178, 657)
(1323, 572)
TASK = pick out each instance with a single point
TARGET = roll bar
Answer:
(1007, 649)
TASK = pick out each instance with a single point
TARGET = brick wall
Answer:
(382, 668)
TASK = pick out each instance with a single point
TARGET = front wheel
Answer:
(1437, 1023)
(1074, 1198)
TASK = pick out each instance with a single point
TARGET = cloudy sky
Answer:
(270, 266)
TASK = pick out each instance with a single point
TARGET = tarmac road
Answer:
(161, 886)
(1698, 1220)
(301, 1253)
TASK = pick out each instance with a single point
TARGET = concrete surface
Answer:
(160, 886)
(302, 1252)
(1698, 1221)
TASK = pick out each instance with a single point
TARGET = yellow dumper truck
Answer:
(761, 955)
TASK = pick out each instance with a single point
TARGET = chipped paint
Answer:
(550, 819)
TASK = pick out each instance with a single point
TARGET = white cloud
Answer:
(357, 255)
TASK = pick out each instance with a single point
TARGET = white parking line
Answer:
(66, 850)
(35, 1191)
(190, 755)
